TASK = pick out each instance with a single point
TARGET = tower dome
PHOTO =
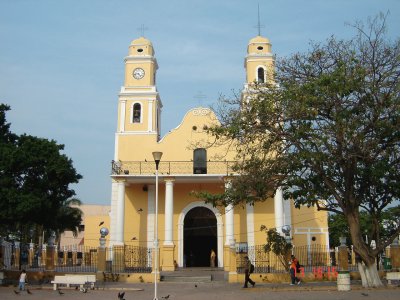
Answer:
(259, 45)
(141, 46)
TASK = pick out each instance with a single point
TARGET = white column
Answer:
(278, 204)
(119, 236)
(229, 213)
(150, 116)
(151, 194)
(122, 116)
(250, 224)
(169, 211)
(113, 213)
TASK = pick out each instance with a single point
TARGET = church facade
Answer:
(189, 228)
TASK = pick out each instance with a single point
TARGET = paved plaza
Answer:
(206, 291)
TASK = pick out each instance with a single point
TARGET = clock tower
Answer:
(139, 105)
(259, 62)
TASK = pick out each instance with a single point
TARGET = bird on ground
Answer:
(145, 160)
(364, 294)
(134, 238)
(83, 290)
(121, 295)
(195, 285)
(16, 292)
(60, 293)
(165, 297)
(29, 292)
(101, 223)
(140, 210)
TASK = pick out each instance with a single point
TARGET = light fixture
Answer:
(157, 157)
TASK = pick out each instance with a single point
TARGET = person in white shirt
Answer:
(22, 279)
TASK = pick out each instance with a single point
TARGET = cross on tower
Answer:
(259, 26)
(142, 28)
(200, 96)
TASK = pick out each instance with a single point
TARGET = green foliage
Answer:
(326, 131)
(34, 183)
(388, 224)
(278, 245)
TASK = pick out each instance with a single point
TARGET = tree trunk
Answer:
(368, 271)
(369, 275)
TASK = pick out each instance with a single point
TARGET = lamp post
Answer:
(157, 157)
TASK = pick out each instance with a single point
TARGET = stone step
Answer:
(194, 275)
(181, 278)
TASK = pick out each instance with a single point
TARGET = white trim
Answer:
(141, 113)
(116, 143)
(169, 211)
(313, 230)
(250, 225)
(151, 190)
(119, 233)
(122, 115)
(136, 132)
(145, 97)
(113, 213)
(265, 72)
(181, 220)
(278, 210)
(287, 213)
(150, 115)
(141, 59)
(193, 111)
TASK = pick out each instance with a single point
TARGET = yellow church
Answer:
(188, 228)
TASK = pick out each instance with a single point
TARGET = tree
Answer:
(338, 226)
(34, 183)
(278, 245)
(326, 130)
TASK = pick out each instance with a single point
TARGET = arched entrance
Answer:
(200, 236)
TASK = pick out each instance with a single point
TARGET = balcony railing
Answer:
(171, 168)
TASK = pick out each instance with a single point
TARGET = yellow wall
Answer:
(92, 229)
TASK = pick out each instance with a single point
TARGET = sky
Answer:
(62, 62)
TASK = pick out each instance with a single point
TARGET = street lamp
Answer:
(157, 157)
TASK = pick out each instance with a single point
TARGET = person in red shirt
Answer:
(293, 270)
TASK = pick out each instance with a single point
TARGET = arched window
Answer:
(200, 161)
(137, 112)
(260, 75)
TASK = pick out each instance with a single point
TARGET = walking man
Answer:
(248, 269)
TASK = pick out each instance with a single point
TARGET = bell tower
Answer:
(139, 107)
(259, 62)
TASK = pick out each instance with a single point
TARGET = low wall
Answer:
(45, 277)
(285, 277)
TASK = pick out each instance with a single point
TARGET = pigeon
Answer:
(101, 223)
(364, 294)
(16, 292)
(140, 210)
(59, 292)
(28, 291)
(195, 285)
(166, 297)
(134, 238)
(121, 295)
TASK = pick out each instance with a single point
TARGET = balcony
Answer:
(146, 168)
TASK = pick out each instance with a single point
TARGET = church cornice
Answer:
(139, 91)
(258, 55)
(141, 59)
(136, 133)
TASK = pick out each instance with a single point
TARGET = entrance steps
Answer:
(194, 275)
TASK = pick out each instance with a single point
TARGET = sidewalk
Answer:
(217, 290)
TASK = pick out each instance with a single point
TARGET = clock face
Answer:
(138, 73)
